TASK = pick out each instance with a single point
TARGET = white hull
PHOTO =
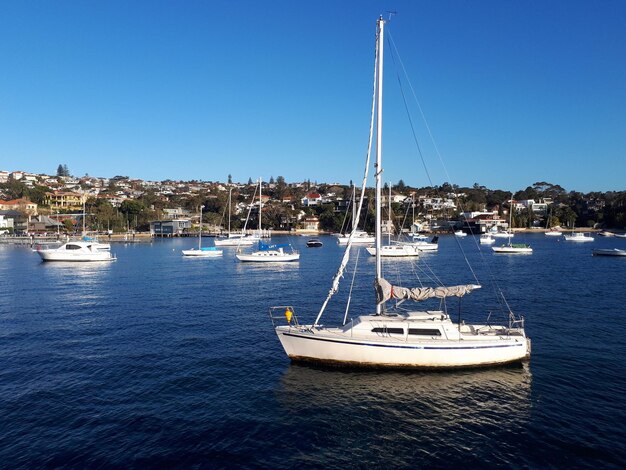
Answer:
(502, 235)
(75, 251)
(512, 249)
(553, 234)
(395, 251)
(203, 253)
(338, 347)
(241, 241)
(579, 238)
(460, 234)
(486, 240)
(269, 256)
(357, 240)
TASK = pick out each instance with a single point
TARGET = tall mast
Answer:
(200, 230)
(379, 145)
(260, 209)
(230, 192)
(353, 207)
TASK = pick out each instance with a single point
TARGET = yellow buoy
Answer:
(288, 314)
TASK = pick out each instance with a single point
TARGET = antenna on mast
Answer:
(391, 13)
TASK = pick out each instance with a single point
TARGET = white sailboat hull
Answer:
(203, 253)
(333, 347)
(357, 240)
(395, 251)
(234, 241)
(512, 249)
(269, 256)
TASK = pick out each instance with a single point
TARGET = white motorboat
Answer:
(579, 237)
(487, 239)
(609, 252)
(202, 252)
(460, 233)
(76, 251)
(553, 233)
(406, 339)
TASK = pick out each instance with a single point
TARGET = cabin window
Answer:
(391, 331)
(424, 332)
(72, 247)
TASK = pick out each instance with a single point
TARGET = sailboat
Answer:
(394, 250)
(512, 248)
(204, 252)
(266, 252)
(356, 236)
(233, 239)
(413, 339)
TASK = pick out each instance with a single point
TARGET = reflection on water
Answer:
(427, 415)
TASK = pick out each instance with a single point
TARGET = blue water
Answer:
(156, 360)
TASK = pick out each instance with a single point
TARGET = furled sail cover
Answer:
(385, 291)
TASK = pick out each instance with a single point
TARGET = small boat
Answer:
(267, 253)
(486, 239)
(553, 233)
(513, 248)
(202, 252)
(460, 233)
(604, 233)
(503, 234)
(359, 237)
(609, 252)
(620, 235)
(274, 253)
(399, 250)
(234, 239)
(423, 244)
(579, 237)
(314, 243)
(76, 251)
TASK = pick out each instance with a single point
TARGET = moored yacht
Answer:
(76, 251)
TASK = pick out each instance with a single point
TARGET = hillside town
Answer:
(39, 203)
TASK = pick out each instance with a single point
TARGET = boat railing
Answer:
(283, 313)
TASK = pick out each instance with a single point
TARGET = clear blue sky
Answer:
(514, 91)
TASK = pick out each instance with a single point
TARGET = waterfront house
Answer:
(169, 228)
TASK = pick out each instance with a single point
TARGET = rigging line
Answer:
(408, 113)
(356, 263)
(394, 48)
